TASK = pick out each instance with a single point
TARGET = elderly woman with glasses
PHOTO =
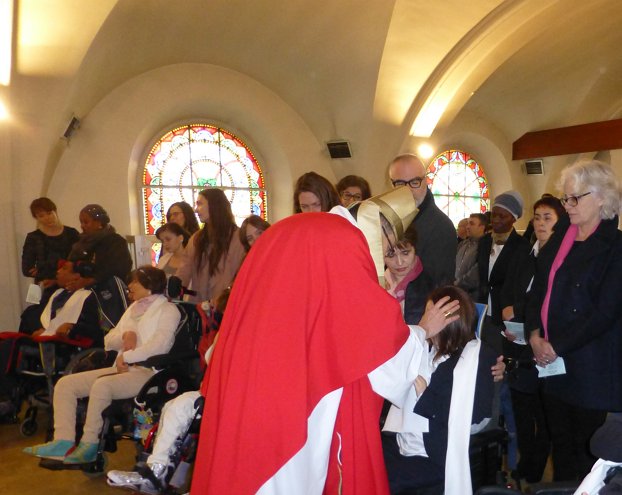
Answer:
(575, 316)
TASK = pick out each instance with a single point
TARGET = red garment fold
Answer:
(306, 316)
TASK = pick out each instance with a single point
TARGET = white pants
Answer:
(101, 390)
(175, 419)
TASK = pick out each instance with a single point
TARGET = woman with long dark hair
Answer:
(183, 215)
(214, 253)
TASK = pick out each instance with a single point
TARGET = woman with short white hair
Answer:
(575, 316)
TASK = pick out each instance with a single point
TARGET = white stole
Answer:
(69, 313)
(457, 465)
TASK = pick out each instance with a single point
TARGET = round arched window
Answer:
(193, 157)
(458, 184)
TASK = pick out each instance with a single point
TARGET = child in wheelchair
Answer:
(146, 329)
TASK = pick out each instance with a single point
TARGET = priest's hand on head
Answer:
(438, 315)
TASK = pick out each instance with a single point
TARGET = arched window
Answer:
(193, 157)
(458, 184)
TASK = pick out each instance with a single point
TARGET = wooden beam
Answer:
(584, 138)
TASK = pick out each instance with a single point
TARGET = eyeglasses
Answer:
(414, 183)
(349, 196)
(573, 200)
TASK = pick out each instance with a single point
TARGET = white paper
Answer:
(34, 294)
(557, 367)
(516, 329)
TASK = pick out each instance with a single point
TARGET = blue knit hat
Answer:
(511, 201)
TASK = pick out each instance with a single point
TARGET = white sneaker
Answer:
(131, 480)
(134, 480)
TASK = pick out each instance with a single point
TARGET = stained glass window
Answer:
(193, 157)
(458, 184)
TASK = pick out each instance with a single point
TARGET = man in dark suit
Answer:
(435, 232)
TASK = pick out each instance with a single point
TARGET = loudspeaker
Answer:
(72, 127)
(339, 149)
(534, 167)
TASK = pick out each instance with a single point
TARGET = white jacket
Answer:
(156, 331)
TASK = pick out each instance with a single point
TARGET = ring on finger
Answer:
(447, 314)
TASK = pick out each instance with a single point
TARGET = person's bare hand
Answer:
(121, 365)
(64, 329)
(438, 315)
(509, 335)
(507, 313)
(543, 352)
(498, 369)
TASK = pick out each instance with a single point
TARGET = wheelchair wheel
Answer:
(97, 468)
(28, 427)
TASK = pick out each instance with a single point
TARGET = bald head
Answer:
(405, 168)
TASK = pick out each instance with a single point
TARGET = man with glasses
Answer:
(436, 235)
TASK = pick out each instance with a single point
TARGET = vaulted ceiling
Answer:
(350, 68)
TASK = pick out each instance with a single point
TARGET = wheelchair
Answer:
(37, 363)
(178, 371)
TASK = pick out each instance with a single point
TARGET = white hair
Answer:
(597, 177)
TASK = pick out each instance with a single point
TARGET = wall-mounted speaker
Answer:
(339, 149)
(534, 167)
(72, 127)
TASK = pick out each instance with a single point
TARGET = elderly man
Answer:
(467, 273)
(436, 235)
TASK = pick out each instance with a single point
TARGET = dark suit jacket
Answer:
(585, 317)
(436, 242)
(515, 247)
(416, 296)
(435, 401)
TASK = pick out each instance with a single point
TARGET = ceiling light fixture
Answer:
(4, 112)
(6, 40)
(425, 151)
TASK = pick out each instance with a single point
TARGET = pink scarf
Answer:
(564, 249)
(399, 291)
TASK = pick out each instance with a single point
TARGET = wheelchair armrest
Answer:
(163, 360)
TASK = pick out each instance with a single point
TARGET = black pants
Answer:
(532, 434)
(410, 474)
(571, 428)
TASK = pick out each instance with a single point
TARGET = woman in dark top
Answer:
(48, 244)
(405, 276)
(531, 429)
(100, 252)
(574, 317)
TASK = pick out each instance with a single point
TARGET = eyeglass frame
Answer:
(349, 195)
(414, 183)
(572, 201)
